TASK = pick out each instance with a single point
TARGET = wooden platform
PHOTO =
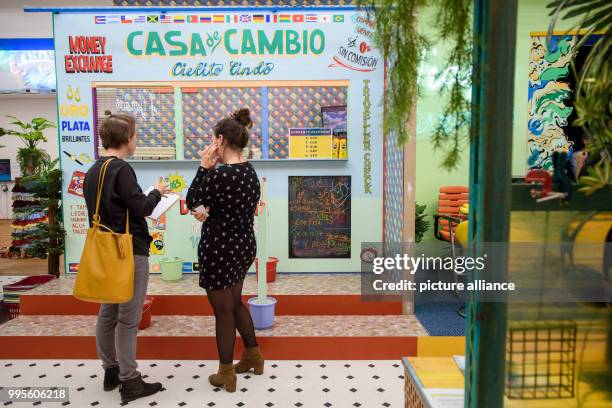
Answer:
(297, 295)
(193, 337)
(318, 317)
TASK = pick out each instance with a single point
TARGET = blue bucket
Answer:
(262, 314)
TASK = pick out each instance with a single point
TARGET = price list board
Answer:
(310, 143)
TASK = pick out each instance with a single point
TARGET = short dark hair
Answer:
(116, 129)
(235, 128)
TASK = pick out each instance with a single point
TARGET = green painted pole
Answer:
(490, 192)
(178, 123)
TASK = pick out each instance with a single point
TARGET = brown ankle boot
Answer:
(251, 358)
(225, 376)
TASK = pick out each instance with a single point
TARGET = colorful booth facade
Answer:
(313, 81)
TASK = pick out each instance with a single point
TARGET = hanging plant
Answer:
(404, 48)
(593, 93)
(30, 158)
(451, 135)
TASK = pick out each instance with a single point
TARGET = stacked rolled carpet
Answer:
(28, 214)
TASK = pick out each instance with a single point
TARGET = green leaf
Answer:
(587, 8)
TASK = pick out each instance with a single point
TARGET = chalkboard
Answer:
(319, 217)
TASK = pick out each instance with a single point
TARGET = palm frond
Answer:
(593, 91)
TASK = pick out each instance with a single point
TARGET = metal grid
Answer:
(541, 359)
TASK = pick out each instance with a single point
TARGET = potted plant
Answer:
(47, 186)
(593, 91)
(262, 307)
(421, 225)
(594, 115)
(31, 159)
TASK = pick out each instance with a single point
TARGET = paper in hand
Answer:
(164, 204)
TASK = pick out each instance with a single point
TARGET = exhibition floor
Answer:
(285, 384)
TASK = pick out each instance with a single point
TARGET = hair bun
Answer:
(243, 116)
(108, 112)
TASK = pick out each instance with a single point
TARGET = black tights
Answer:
(231, 314)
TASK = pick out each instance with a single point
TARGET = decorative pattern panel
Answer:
(394, 191)
(549, 99)
(233, 2)
(203, 108)
(297, 107)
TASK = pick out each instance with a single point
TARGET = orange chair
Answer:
(450, 199)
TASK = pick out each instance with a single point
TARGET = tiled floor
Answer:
(286, 284)
(322, 326)
(285, 384)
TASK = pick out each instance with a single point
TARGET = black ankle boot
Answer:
(137, 388)
(111, 378)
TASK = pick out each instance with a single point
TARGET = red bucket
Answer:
(270, 269)
(145, 320)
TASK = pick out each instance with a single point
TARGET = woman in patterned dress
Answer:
(225, 198)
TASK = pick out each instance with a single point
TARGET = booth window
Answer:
(153, 109)
(204, 107)
(298, 107)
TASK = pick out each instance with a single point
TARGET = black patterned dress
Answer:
(227, 248)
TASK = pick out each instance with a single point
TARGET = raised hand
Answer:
(162, 186)
(208, 156)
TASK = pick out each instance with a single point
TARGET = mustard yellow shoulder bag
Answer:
(106, 270)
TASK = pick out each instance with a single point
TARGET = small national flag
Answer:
(205, 19)
(338, 18)
(126, 20)
(298, 18)
(228, 18)
(100, 19)
(192, 18)
(113, 19)
(179, 19)
(165, 19)
(152, 19)
(218, 18)
(258, 18)
(311, 18)
(325, 18)
(140, 19)
(246, 18)
(284, 18)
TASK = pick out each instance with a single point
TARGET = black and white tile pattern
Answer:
(285, 384)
